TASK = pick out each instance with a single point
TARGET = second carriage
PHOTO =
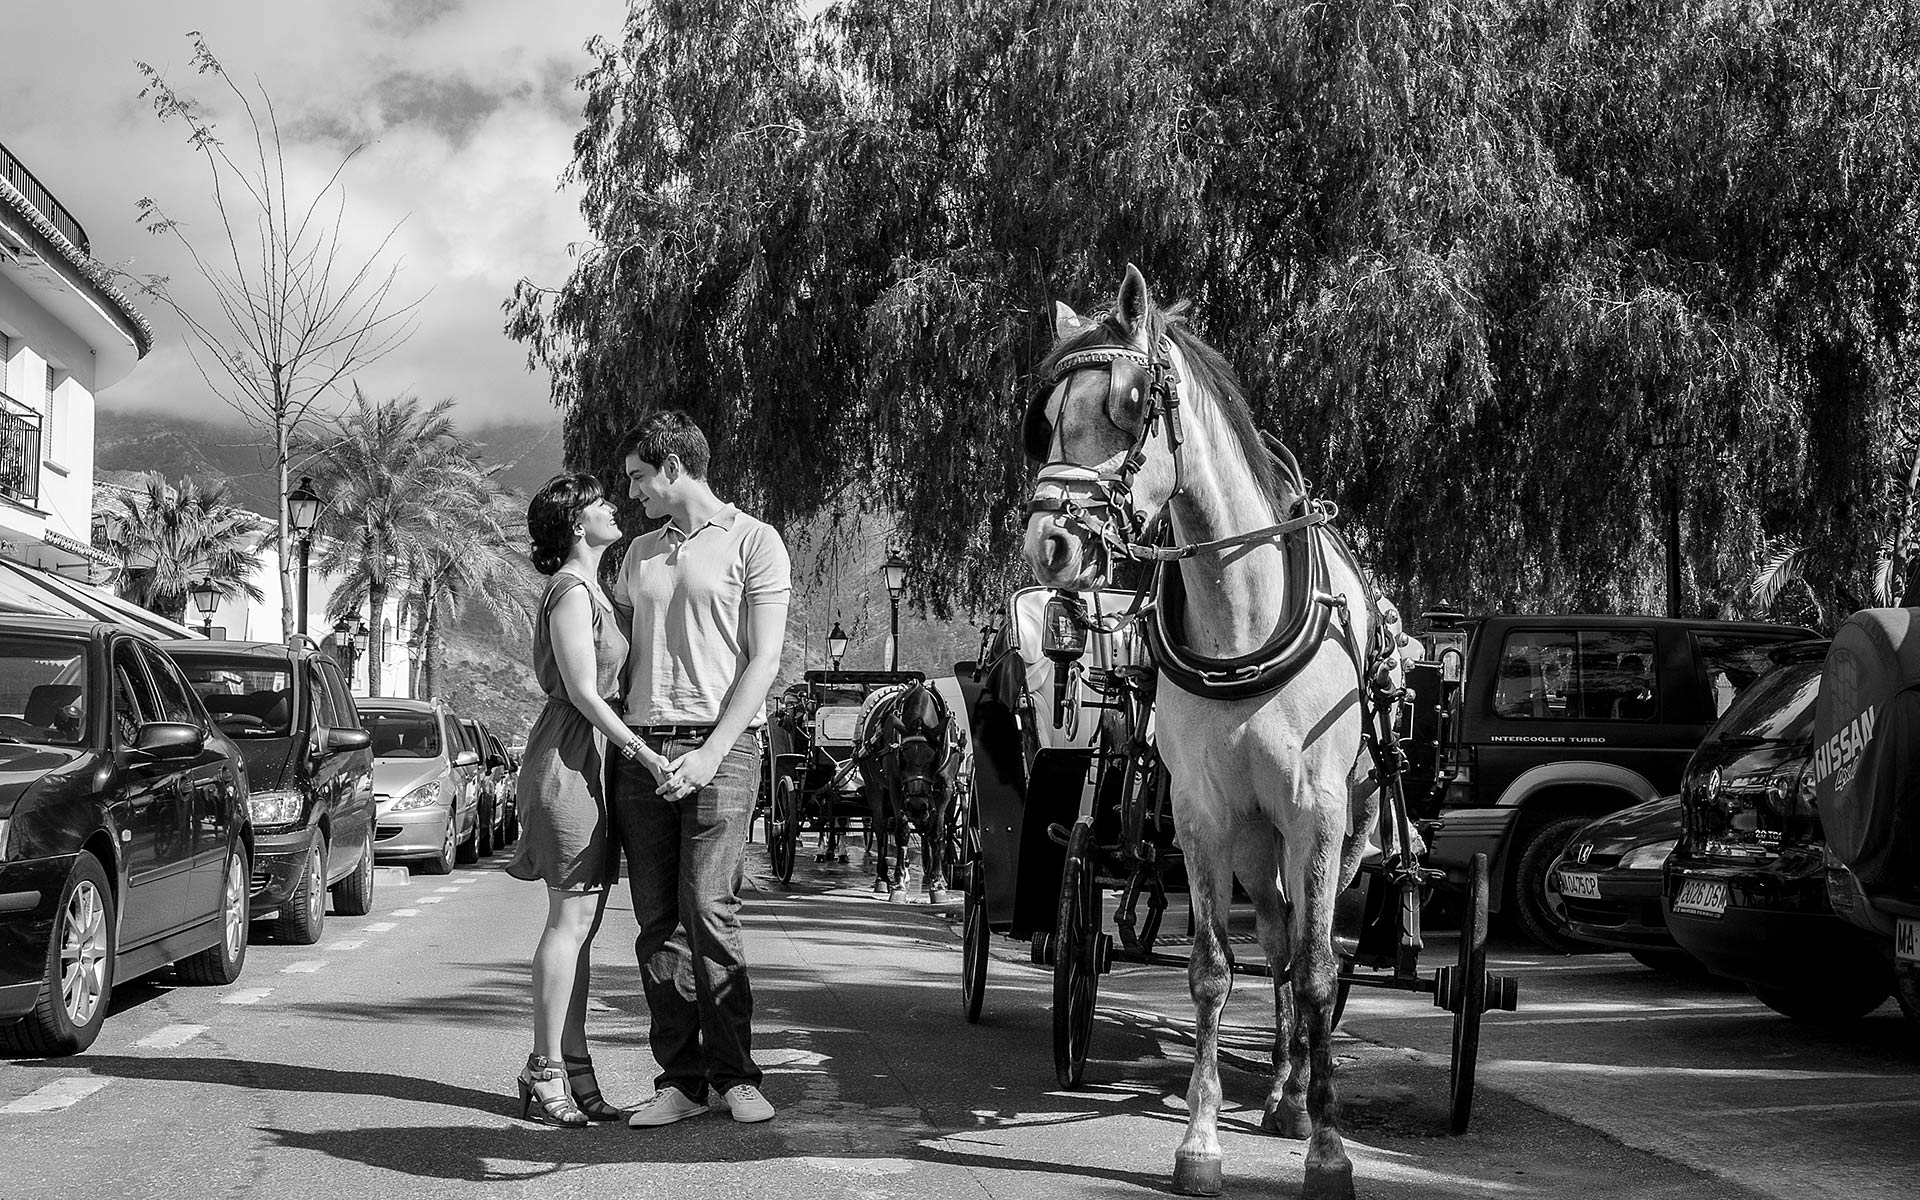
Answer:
(1071, 801)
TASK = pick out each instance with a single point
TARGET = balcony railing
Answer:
(16, 173)
(19, 452)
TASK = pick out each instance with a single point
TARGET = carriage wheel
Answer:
(1470, 999)
(1076, 967)
(973, 941)
(783, 828)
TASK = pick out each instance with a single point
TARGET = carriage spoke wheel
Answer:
(1470, 995)
(973, 938)
(783, 828)
(1076, 967)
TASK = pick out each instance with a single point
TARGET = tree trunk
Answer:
(376, 633)
(431, 633)
(288, 621)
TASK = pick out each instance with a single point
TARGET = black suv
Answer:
(1557, 720)
(288, 709)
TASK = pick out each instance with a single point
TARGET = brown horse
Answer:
(1143, 427)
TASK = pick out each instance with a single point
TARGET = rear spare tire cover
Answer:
(1866, 747)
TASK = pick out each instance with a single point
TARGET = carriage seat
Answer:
(1026, 614)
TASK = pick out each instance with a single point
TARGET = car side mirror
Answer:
(347, 739)
(164, 741)
(465, 758)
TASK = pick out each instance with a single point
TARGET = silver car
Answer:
(426, 801)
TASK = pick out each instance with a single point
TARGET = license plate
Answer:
(1580, 886)
(1906, 940)
(1702, 898)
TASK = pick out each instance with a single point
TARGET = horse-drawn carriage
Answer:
(811, 781)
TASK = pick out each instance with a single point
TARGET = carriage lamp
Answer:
(1063, 639)
(836, 644)
(206, 598)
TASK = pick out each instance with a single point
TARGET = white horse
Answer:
(1270, 779)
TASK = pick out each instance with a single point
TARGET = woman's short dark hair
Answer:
(669, 431)
(551, 516)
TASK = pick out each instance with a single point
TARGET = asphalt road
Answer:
(379, 1063)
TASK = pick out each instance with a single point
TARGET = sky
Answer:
(466, 109)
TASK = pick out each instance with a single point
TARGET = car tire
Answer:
(1671, 962)
(1906, 989)
(78, 984)
(468, 852)
(1533, 898)
(353, 896)
(483, 837)
(304, 916)
(222, 962)
(1833, 1003)
(442, 863)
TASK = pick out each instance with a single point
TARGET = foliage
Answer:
(1498, 269)
(169, 537)
(291, 313)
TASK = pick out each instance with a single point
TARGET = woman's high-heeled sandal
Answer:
(590, 1101)
(554, 1110)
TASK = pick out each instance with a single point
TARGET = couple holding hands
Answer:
(694, 625)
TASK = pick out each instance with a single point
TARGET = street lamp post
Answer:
(836, 645)
(206, 598)
(896, 572)
(343, 648)
(303, 512)
(360, 650)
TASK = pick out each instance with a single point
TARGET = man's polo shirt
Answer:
(692, 596)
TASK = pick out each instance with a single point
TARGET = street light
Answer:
(896, 572)
(343, 648)
(206, 598)
(303, 512)
(836, 644)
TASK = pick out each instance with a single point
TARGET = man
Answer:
(705, 598)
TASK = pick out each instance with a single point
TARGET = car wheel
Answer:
(305, 913)
(469, 849)
(1906, 989)
(483, 837)
(442, 863)
(1832, 1003)
(1534, 898)
(353, 896)
(78, 984)
(222, 962)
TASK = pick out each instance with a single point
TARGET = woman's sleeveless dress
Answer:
(566, 837)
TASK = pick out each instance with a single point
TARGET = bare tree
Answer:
(293, 313)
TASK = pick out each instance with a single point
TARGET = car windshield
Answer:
(43, 690)
(248, 696)
(403, 734)
(1777, 707)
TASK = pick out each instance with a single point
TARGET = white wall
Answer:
(36, 339)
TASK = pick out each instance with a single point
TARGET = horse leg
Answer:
(1196, 1163)
(933, 852)
(1329, 1173)
(1256, 863)
(877, 826)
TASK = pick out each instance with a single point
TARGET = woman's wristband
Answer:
(633, 748)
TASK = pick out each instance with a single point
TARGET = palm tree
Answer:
(169, 537)
(470, 555)
(393, 471)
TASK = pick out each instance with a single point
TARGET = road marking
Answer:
(1515, 1066)
(377, 927)
(171, 1036)
(61, 1093)
(432, 899)
(354, 944)
(247, 996)
(1907, 1102)
(446, 890)
(404, 912)
(305, 966)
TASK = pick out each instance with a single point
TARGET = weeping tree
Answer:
(1515, 279)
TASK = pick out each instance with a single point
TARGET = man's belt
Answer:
(673, 732)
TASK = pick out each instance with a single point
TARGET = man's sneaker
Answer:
(668, 1105)
(746, 1104)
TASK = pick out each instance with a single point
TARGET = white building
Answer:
(66, 334)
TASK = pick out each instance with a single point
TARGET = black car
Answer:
(490, 772)
(1610, 879)
(124, 840)
(288, 709)
(1746, 887)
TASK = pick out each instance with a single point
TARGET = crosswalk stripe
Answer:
(404, 912)
(305, 966)
(377, 927)
(446, 889)
(247, 996)
(61, 1093)
(432, 899)
(353, 944)
(171, 1036)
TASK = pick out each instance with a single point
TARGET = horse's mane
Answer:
(1208, 370)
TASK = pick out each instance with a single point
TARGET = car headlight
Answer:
(1649, 857)
(275, 808)
(425, 796)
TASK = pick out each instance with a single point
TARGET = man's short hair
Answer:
(670, 431)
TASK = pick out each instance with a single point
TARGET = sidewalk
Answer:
(884, 1090)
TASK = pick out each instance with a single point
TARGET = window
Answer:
(43, 689)
(342, 698)
(133, 702)
(51, 431)
(403, 734)
(176, 703)
(324, 709)
(1590, 675)
(1729, 662)
(247, 695)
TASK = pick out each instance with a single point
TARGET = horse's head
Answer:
(918, 728)
(1098, 424)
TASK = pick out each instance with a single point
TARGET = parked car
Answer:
(1558, 720)
(124, 842)
(1609, 881)
(426, 807)
(509, 790)
(1746, 887)
(489, 771)
(289, 711)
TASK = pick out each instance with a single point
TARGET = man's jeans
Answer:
(684, 864)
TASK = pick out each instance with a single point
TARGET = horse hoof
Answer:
(1196, 1174)
(1286, 1120)
(843, 858)
(937, 897)
(1328, 1183)
(899, 896)
(880, 888)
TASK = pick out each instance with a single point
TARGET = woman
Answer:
(578, 653)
